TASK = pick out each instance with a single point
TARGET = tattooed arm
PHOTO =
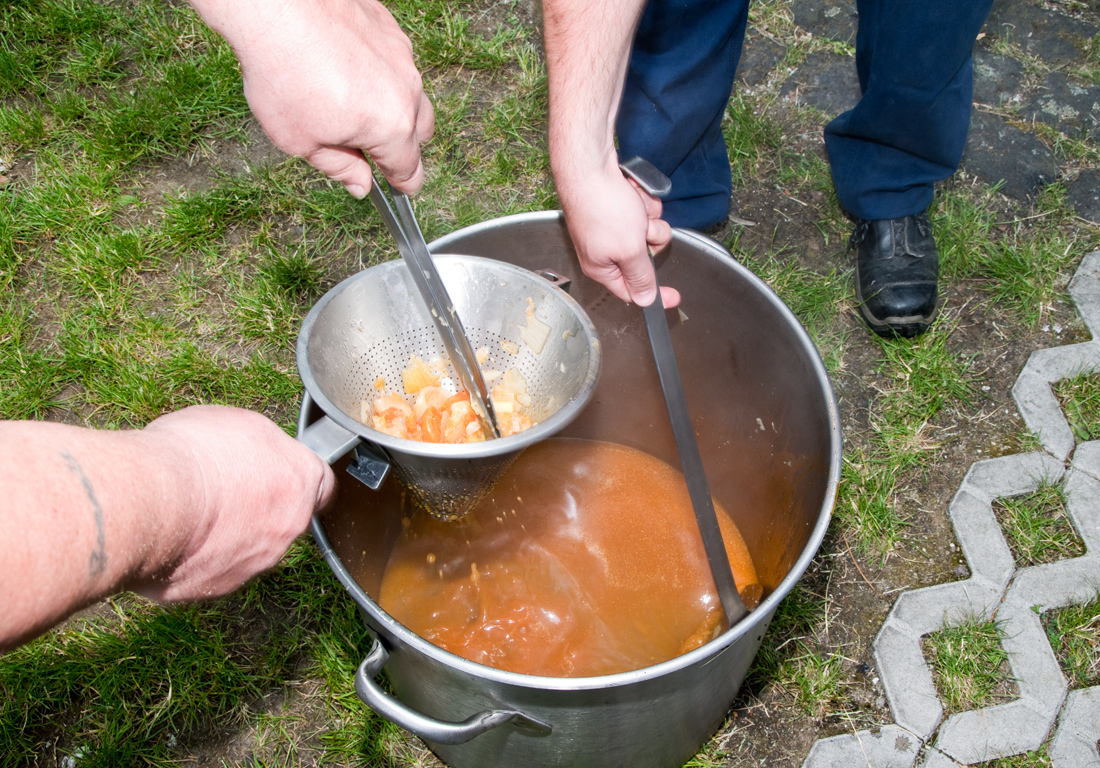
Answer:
(191, 506)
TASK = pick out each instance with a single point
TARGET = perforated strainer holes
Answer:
(385, 360)
(449, 489)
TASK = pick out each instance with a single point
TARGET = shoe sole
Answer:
(892, 327)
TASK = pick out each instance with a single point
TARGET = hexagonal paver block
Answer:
(1074, 744)
(885, 747)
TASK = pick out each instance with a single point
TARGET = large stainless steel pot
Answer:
(770, 438)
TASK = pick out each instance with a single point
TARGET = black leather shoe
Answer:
(896, 270)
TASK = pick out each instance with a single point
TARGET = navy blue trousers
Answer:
(913, 59)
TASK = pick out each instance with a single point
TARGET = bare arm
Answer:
(610, 220)
(192, 506)
(330, 80)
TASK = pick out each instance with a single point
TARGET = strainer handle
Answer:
(331, 441)
(428, 728)
(328, 439)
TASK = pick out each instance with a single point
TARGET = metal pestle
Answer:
(413, 249)
(691, 462)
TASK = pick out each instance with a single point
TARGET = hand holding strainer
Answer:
(366, 329)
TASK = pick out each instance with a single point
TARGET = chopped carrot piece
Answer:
(430, 425)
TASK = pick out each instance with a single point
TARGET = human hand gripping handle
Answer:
(330, 81)
(615, 224)
(257, 489)
(190, 507)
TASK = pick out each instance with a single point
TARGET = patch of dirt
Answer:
(198, 171)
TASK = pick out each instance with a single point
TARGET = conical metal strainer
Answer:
(361, 335)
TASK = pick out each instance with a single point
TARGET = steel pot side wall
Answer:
(769, 432)
(655, 718)
(659, 722)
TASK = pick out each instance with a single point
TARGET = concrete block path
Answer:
(1045, 712)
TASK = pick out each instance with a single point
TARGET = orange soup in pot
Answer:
(584, 560)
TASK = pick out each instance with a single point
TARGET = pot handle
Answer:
(428, 728)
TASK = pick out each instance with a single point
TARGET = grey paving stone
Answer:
(885, 747)
(1053, 37)
(999, 153)
(1036, 401)
(1086, 459)
(932, 758)
(1085, 290)
(981, 539)
(1059, 363)
(825, 81)
(1039, 409)
(946, 605)
(998, 79)
(987, 734)
(1012, 475)
(1074, 743)
(1083, 496)
(834, 19)
(1055, 585)
(1071, 107)
(1024, 725)
(906, 679)
(1083, 195)
(1038, 677)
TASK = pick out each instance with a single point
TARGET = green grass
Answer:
(812, 677)
(797, 615)
(751, 136)
(1026, 760)
(816, 681)
(866, 502)
(125, 297)
(1027, 275)
(921, 378)
(1022, 264)
(138, 683)
(964, 227)
(816, 299)
(1074, 634)
(918, 380)
(1079, 398)
(1037, 527)
(123, 83)
(969, 666)
(447, 37)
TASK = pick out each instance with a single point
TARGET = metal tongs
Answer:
(691, 462)
(413, 249)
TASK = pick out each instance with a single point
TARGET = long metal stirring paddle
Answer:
(413, 249)
(691, 461)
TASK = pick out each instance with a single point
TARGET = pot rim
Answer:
(699, 655)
